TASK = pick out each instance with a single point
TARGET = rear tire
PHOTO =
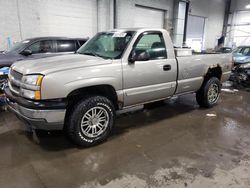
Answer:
(209, 93)
(90, 121)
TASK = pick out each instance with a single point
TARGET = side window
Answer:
(45, 46)
(66, 46)
(154, 44)
(246, 51)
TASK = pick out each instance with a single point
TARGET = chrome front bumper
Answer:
(39, 119)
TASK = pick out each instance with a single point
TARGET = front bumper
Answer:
(37, 118)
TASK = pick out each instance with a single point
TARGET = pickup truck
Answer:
(115, 70)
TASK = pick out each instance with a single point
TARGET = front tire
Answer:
(91, 121)
(209, 93)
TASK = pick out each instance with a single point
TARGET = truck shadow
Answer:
(58, 141)
(148, 116)
(151, 114)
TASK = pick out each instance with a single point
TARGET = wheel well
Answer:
(213, 72)
(102, 90)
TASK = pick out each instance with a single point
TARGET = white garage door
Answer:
(241, 32)
(195, 32)
(33, 18)
(148, 17)
(241, 35)
(58, 17)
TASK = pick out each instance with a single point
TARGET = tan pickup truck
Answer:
(115, 70)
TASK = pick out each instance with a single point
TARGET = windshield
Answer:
(243, 51)
(19, 45)
(109, 45)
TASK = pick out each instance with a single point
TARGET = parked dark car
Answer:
(41, 47)
(3, 78)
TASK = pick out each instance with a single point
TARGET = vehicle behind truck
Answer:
(114, 70)
(40, 47)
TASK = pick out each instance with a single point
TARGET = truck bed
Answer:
(192, 69)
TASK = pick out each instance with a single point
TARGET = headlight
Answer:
(31, 79)
(31, 86)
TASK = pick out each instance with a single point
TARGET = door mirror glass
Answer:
(139, 55)
(26, 52)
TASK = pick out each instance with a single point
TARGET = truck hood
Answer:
(57, 63)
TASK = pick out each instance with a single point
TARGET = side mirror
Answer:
(138, 55)
(26, 52)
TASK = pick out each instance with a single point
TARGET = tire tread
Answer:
(201, 95)
(75, 111)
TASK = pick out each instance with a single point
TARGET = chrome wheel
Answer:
(94, 122)
(213, 93)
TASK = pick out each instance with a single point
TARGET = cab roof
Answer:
(137, 29)
(56, 38)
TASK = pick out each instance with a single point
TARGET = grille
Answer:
(15, 81)
(16, 75)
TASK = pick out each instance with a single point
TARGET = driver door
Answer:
(150, 79)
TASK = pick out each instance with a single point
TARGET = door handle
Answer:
(167, 67)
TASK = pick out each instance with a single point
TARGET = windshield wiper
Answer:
(89, 53)
(93, 54)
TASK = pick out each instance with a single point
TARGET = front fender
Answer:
(58, 90)
(78, 84)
